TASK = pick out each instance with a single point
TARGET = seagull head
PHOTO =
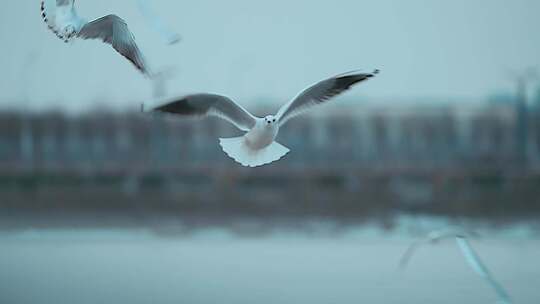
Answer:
(269, 120)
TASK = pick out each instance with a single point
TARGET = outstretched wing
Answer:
(200, 105)
(113, 30)
(476, 264)
(321, 92)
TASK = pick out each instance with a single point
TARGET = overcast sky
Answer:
(256, 50)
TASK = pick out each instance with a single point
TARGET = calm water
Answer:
(114, 266)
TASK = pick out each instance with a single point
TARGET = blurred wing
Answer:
(159, 81)
(200, 105)
(64, 2)
(406, 257)
(476, 264)
(319, 93)
(445, 233)
(157, 23)
(113, 30)
(432, 237)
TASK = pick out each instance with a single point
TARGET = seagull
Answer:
(62, 18)
(157, 24)
(257, 147)
(472, 258)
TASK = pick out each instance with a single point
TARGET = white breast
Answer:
(261, 135)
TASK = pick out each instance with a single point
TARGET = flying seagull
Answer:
(468, 252)
(62, 18)
(157, 24)
(257, 147)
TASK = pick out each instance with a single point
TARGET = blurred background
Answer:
(102, 203)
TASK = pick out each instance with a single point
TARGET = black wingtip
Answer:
(373, 74)
(180, 106)
(43, 13)
(348, 80)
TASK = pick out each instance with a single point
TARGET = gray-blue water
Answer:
(135, 266)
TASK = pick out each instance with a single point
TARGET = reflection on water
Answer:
(136, 266)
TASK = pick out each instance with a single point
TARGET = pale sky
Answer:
(256, 50)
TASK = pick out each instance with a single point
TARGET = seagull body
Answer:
(262, 134)
(258, 146)
(63, 20)
(471, 257)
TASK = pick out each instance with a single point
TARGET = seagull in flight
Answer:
(62, 19)
(166, 33)
(257, 147)
(473, 259)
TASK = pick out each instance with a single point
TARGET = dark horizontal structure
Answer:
(349, 166)
(380, 138)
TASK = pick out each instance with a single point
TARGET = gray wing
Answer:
(113, 30)
(476, 264)
(210, 105)
(321, 92)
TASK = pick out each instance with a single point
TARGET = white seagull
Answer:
(257, 147)
(62, 18)
(468, 252)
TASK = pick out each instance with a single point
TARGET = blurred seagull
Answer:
(159, 82)
(62, 18)
(257, 147)
(157, 24)
(468, 252)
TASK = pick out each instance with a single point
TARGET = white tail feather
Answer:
(237, 149)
